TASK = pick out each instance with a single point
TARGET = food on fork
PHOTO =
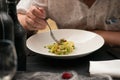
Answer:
(64, 47)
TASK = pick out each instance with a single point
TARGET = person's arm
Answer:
(23, 23)
(31, 21)
(112, 38)
(32, 18)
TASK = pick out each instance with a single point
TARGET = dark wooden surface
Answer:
(37, 62)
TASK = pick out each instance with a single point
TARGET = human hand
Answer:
(35, 18)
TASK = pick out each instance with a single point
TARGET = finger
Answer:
(39, 12)
(41, 25)
(30, 15)
(34, 16)
(32, 25)
(36, 19)
(33, 20)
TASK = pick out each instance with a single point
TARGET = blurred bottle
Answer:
(6, 23)
(20, 35)
(8, 56)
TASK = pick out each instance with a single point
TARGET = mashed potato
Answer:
(63, 48)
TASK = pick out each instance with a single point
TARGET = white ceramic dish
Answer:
(85, 42)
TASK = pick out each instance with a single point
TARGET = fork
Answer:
(51, 33)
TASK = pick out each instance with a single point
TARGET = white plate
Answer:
(85, 42)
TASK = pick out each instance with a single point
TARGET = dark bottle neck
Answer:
(6, 23)
(11, 9)
(3, 7)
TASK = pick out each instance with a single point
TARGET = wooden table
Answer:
(80, 65)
